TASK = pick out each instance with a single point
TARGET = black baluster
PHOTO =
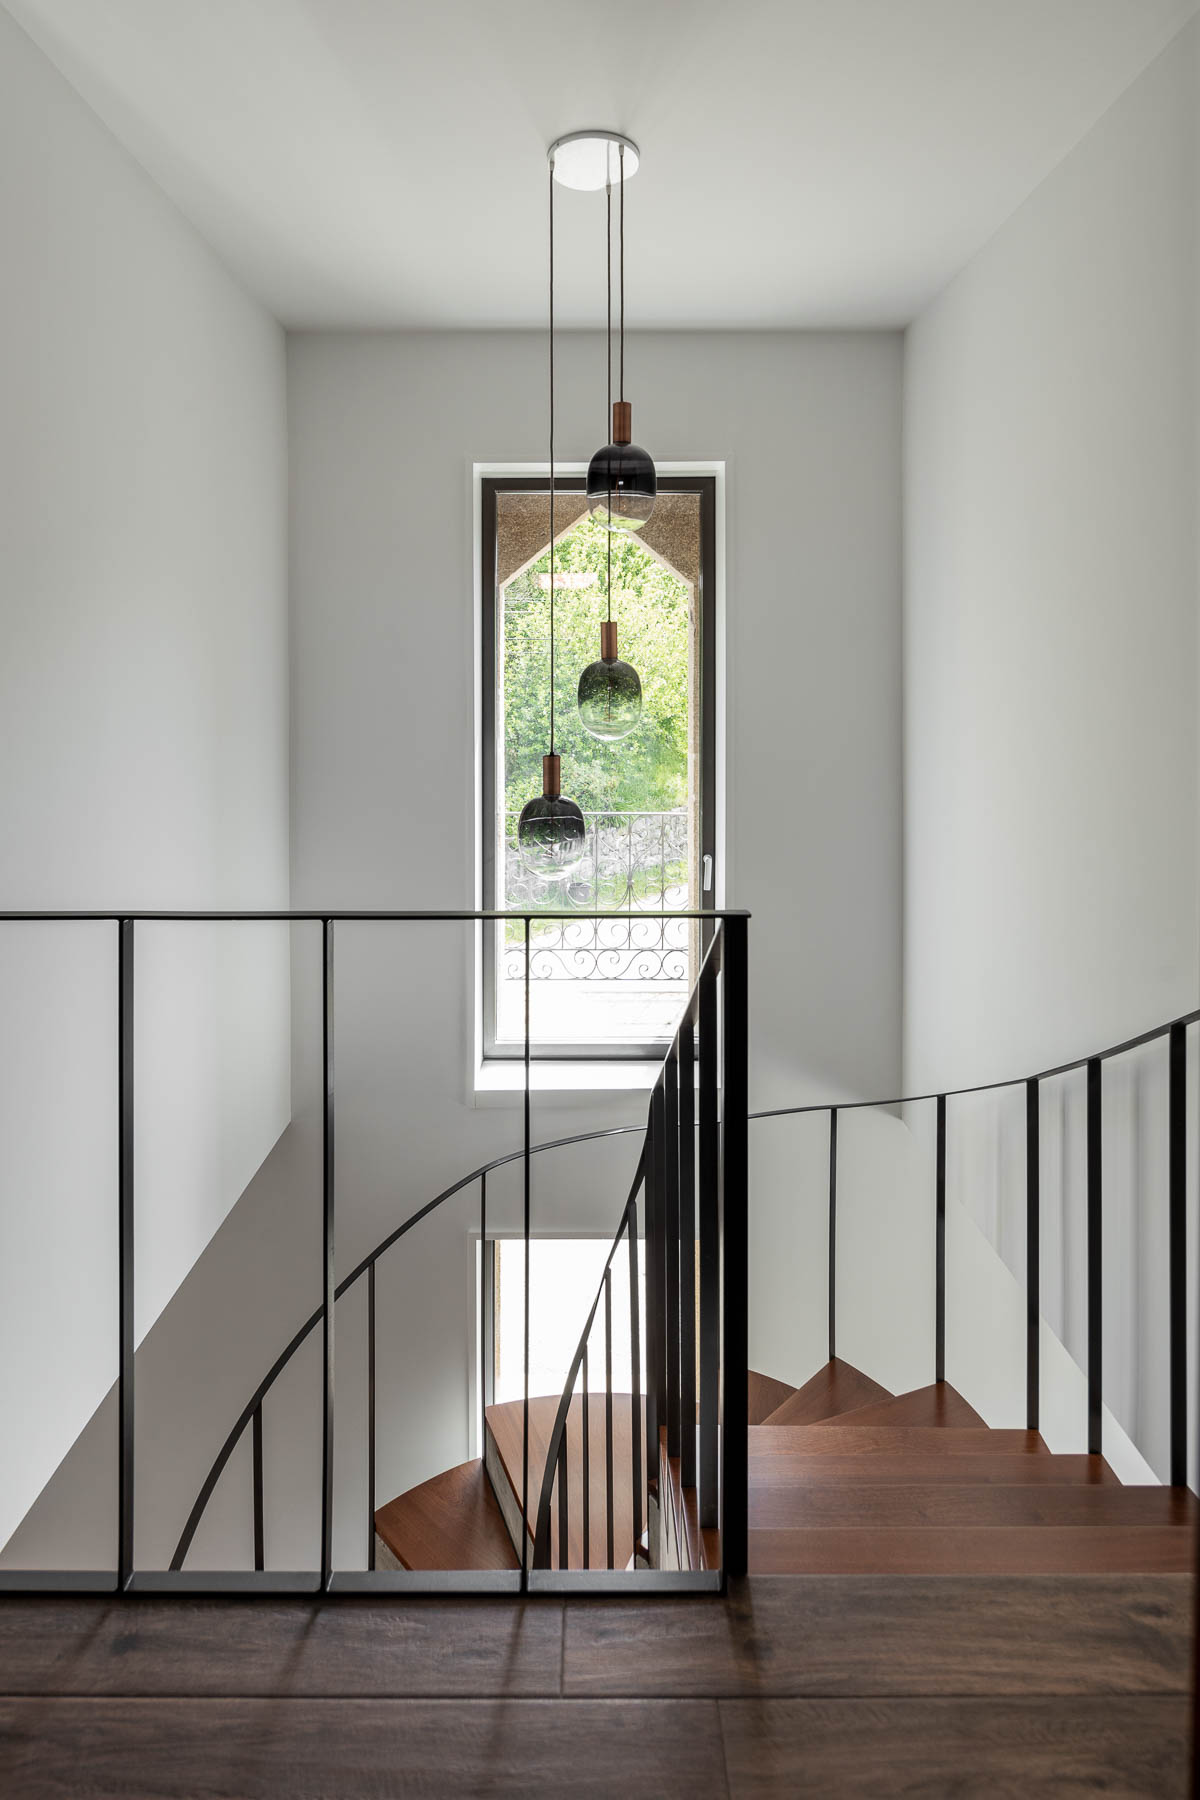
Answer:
(635, 1364)
(608, 1417)
(671, 1218)
(1033, 1253)
(327, 1210)
(735, 1246)
(587, 1469)
(687, 1255)
(1095, 1257)
(257, 1446)
(564, 1529)
(1177, 1253)
(371, 1416)
(710, 1249)
(940, 1254)
(831, 1307)
(125, 1248)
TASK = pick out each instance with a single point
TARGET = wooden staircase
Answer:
(845, 1479)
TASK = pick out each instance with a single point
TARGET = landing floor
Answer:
(794, 1685)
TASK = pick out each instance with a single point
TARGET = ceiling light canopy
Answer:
(590, 160)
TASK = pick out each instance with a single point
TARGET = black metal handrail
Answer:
(696, 1414)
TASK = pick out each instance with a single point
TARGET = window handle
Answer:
(706, 873)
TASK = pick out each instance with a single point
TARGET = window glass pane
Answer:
(599, 982)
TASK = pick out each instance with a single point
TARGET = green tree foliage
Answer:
(644, 772)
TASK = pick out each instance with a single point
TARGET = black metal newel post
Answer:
(940, 1254)
(687, 1253)
(1033, 1253)
(125, 1267)
(1095, 1258)
(371, 1417)
(1177, 1253)
(327, 1208)
(527, 1173)
(670, 1212)
(832, 1301)
(710, 1251)
(735, 1233)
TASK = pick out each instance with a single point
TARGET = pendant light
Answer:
(610, 691)
(621, 479)
(550, 831)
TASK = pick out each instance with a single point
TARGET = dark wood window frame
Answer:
(490, 486)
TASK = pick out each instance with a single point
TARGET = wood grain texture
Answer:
(975, 1550)
(1014, 1748)
(326, 1749)
(909, 1468)
(836, 1439)
(506, 1427)
(938, 1504)
(449, 1522)
(892, 1634)
(356, 1647)
(837, 1387)
(937, 1404)
(764, 1395)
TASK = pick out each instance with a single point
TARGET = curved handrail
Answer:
(281, 1361)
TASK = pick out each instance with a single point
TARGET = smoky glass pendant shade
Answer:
(551, 832)
(622, 483)
(610, 692)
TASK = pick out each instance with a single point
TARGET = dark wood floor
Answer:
(794, 1685)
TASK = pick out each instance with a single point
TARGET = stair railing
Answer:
(123, 1577)
(688, 1435)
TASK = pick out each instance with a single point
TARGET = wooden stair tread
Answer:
(975, 1550)
(854, 1504)
(764, 1394)
(451, 1521)
(914, 1468)
(838, 1439)
(938, 1404)
(505, 1426)
(836, 1388)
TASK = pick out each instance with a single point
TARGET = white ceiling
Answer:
(376, 163)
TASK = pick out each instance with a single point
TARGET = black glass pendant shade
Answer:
(610, 692)
(551, 832)
(622, 483)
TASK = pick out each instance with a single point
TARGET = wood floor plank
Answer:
(937, 1404)
(291, 1647)
(860, 1635)
(1018, 1748)
(837, 1387)
(839, 1439)
(975, 1550)
(449, 1522)
(911, 1468)
(326, 1749)
(775, 1505)
(764, 1394)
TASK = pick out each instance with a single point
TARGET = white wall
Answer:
(143, 740)
(1051, 691)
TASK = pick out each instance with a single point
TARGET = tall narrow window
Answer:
(605, 987)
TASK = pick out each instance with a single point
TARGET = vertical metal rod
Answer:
(259, 1534)
(527, 1172)
(608, 1417)
(1177, 1252)
(735, 1249)
(671, 1215)
(327, 1210)
(125, 1248)
(587, 1469)
(940, 1325)
(1095, 1257)
(656, 1284)
(832, 1302)
(1033, 1253)
(635, 1381)
(483, 1312)
(564, 1510)
(710, 1254)
(371, 1416)
(687, 1255)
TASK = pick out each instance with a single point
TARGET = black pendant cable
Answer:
(610, 691)
(622, 484)
(550, 831)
